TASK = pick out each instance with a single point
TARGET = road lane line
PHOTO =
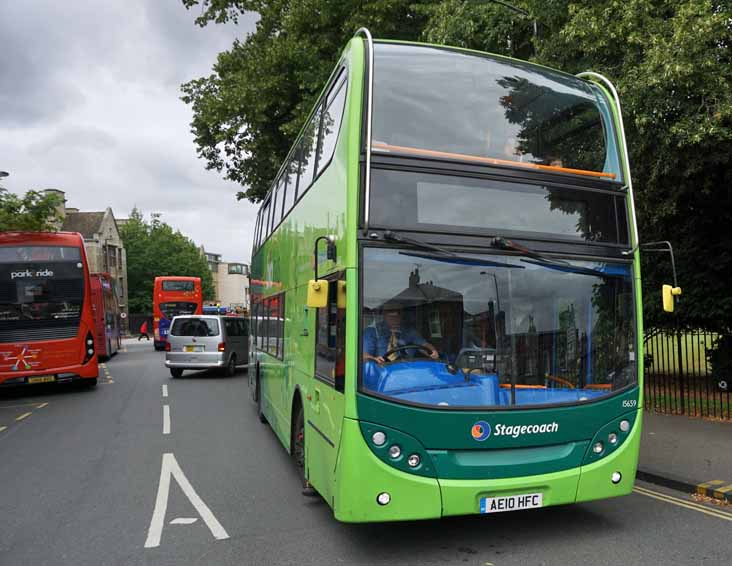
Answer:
(166, 419)
(18, 406)
(23, 416)
(170, 468)
(165, 390)
(42, 405)
(2, 428)
(184, 521)
(681, 503)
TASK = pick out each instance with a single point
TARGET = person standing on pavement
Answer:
(143, 332)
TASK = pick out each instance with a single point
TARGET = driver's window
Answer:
(330, 338)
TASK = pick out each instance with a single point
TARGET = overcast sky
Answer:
(90, 104)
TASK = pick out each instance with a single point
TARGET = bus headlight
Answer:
(395, 451)
(616, 477)
(598, 447)
(89, 342)
(413, 460)
(378, 438)
(624, 425)
(612, 438)
(383, 498)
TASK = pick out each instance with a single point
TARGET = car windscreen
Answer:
(198, 327)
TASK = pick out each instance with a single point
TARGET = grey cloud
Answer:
(89, 103)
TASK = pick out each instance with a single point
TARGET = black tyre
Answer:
(230, 369)
(176, 372)
(90, 383)
(298, 442)
(260, 413)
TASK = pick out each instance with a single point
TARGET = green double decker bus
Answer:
(446, 309)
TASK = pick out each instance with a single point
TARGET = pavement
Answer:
(687, 454)
(149, 470)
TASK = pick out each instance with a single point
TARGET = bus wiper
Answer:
(460, 259)
(395, 237)
(508, 245)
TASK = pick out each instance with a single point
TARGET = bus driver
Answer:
(380, 340)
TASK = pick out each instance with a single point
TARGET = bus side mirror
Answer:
(668, 292)
(341, 297)
(317, 293)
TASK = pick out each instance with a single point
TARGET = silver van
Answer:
(207, 341)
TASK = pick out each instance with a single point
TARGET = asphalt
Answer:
(80, 478)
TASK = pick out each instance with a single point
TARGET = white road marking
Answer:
(184, 521)
(166, 419)
(165, 390)
(2, 428)
(170, 468)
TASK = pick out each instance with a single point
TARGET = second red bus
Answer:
(107, 315)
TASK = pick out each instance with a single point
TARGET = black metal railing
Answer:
(688, 372)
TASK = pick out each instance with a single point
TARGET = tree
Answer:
(671, 61)
(154, 249)
(35, 211)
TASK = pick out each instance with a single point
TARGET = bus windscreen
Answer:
(178, 286)
(40, 283)
(490, 109)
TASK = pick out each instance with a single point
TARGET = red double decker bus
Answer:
(173, 295)
(46, 320)
(107, 315)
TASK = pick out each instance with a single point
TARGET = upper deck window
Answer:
(436, 102)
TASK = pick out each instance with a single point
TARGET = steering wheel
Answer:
(560, 380)
(422, 349)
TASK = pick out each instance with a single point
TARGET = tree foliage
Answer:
(671, 61)
(35, 211)
(154, 249)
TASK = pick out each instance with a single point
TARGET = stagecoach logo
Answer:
(29, 273)
(23, 360)
(482, 430)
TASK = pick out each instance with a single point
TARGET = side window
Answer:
(330, 339)
(232, 328)
(256, 229)
(292, 169)
(243, 327)
(276, 208)
(332, 123)
(309, 148)
(265, 219)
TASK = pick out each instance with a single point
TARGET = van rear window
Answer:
(195, 327)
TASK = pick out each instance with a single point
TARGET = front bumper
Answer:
(68, 375)
(416, 497)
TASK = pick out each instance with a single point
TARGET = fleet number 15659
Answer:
(630, 403)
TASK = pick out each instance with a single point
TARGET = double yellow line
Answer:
(717, 513)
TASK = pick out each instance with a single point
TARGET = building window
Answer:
(237, 269)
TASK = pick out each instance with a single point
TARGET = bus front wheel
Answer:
(260, 413)
(298, 441)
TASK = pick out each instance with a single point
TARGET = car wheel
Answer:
(176, 372)
(90, 383)
(231, 366)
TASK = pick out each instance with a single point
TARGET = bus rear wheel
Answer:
(176, 372)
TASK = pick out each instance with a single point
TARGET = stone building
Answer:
(104, 247)
(230, 281)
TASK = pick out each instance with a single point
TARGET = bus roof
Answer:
(60, 238)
